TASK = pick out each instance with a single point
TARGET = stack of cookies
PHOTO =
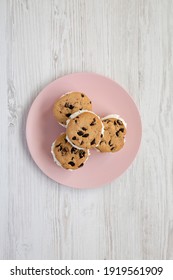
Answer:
(84, 130)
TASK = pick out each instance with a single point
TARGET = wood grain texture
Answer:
(130, 41)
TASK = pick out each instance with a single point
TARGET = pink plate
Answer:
(107, 98)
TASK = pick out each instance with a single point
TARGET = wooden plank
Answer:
(4, 133)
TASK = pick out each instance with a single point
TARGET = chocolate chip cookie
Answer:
(114, 133)
(67, 156)
(70, 103)
(84, 130)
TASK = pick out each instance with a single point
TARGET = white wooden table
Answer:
(130, 41)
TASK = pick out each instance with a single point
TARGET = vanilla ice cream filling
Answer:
(53, 154)
(74, 115)
(57, 161)
(67, 93)
(64, 125)
(72, 92)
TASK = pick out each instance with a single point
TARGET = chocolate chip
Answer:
(101, 135)
(57, 145)
(85, 135)
(70, 106)
(81, 165)
(81, 153)
(72, 158)
(93, 142)
(68, 115)
(115, 123)
(84, 128)
(120, 130)
(75, 121)
(64, 151)
(80, 133)
(90, 102)
(71, 163)
(74, 138)
(108, 121)
(112, 148)
(65, 140)
(93, 122)
(81, 109)
(119, 122)
(110, 144)
(74, 150)
(82, 95)
(82, 142)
